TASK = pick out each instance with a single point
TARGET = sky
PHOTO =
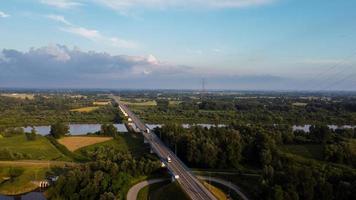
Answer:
(174, 44)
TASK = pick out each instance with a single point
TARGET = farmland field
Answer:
(74, 143)
(85, 109)
(17, 147)
(139, 103)
(19, 96)
(124, 142)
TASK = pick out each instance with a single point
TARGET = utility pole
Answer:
(202, 89)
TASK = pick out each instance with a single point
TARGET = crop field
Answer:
(77, 142)
(85, 109)
(140, 103)
(19, 96)
(123, 142)
(18, 147)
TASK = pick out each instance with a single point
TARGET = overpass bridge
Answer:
(189, 183)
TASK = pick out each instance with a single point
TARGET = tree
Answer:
(59, 129)
(108, 129)
(320, 133)
(31, 135)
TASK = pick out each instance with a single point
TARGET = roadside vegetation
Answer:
(288, 165)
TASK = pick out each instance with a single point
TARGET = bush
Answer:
(15, 172)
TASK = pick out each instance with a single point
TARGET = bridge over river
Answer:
(189, 183)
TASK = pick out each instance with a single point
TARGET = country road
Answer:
(40, 163)
(133, 192)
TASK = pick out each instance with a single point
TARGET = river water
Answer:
(82, 129)
(28, 196)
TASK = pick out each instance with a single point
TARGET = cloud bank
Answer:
(57, 66)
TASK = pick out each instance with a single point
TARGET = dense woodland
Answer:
(284, 176)
(292, 110)
(43, 110)
(257, 141)
(107, 177)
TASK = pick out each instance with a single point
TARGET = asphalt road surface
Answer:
(189, 183)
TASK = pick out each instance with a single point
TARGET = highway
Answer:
(189, 183)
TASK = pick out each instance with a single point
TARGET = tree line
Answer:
(284, 176)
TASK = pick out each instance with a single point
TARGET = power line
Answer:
(325, 74)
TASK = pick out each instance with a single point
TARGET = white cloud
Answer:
(96, 36)
(92, 34)
(63, 4)
(124, 5)
(4, 15)
(59, 18)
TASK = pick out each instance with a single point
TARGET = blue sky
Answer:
(234, 44)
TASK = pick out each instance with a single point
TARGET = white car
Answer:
(169, 159)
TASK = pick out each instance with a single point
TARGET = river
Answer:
(28, 196)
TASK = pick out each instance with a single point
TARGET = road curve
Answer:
(134, 190)
(225, 183)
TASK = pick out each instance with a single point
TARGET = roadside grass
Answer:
(144, 193)
(313, 151)
(85, 109)
(73, 143)
(18, 147)
(172, 191)
(218, 193)
(22, 183)
(249, 183)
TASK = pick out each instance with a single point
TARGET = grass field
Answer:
(73, 143)
(22, 183)
(220, 195)
(144, 193)
(40, 149)
(314, 151)
(123, 142)
(85, 109)
(172, 191)
(143, 103)
(19, 96)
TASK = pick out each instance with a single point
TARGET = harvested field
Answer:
(19, 96)
(85, 109)
(74, 143)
